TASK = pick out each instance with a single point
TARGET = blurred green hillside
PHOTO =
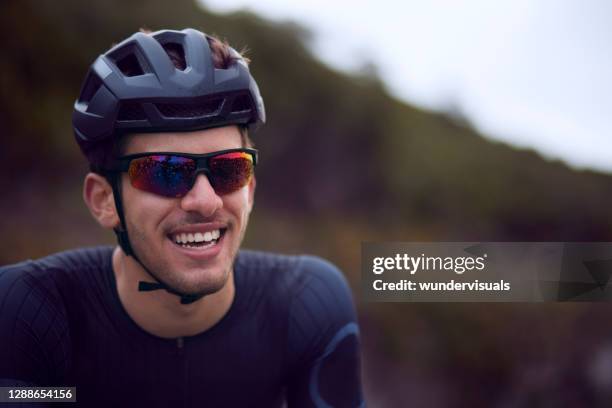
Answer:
(334, 144)
(341, 162)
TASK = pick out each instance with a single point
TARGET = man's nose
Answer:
(202, 197)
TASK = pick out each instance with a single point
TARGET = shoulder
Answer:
(322, 334)
(322, 276)
(71, 259)
(29, 302)
(296, 275)
(48, 273)
(322, 301)
(75, 259)
(27, 285)
(297, 270)
(313, 292)
(19, 282)
(33, 314)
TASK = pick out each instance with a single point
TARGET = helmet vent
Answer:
(130, 66)
(177, 55)
(93, 84)
(192, 110)
(241, 104)
(131, 111)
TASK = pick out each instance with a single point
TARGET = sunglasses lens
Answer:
(230, 172)
(166, 175)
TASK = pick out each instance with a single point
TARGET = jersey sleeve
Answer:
(33, 330)
(323, 340)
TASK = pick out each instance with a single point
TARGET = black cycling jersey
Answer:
(290, 336)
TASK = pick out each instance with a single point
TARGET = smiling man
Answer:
(177, 314)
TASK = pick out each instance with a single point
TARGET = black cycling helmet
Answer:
(155, 96)
(136, 87)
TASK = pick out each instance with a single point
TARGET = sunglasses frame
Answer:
(201, 160)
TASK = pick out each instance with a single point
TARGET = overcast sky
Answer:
(532, 73)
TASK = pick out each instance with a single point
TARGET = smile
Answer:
(198, 239)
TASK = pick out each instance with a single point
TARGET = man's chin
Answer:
(205, 288)
(201, 292)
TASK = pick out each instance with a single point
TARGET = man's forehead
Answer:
(199, 141)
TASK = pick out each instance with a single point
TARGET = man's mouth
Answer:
(198, 239)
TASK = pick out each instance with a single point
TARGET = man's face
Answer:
(153, 221)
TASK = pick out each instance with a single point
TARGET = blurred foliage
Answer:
(344, 145)
(341, 162)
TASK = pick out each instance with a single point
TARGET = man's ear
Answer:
(98, 195)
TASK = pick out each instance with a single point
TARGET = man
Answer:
(176, 315)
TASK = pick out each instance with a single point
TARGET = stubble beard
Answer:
(172, 279)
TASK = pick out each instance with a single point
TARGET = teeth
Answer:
(208, 236)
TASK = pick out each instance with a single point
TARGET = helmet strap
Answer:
(124, 242)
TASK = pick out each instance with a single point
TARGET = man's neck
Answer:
(160, 312)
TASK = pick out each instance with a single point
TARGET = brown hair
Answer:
(221, 52)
